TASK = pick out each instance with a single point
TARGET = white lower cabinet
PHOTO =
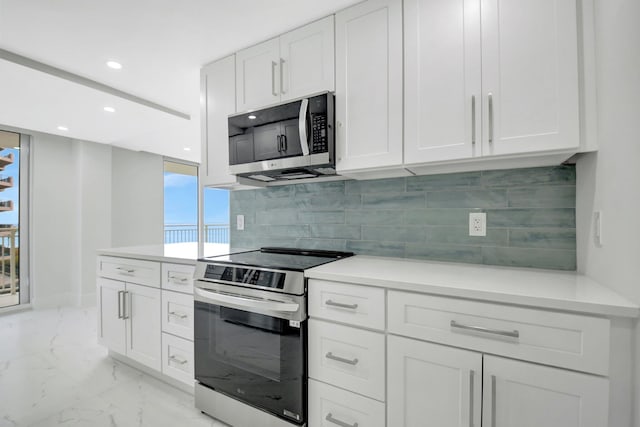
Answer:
(129, 321)
(148, 321)
(112, 332)
(330, 407)
(432, 382)
(347, 357)
(143, 325)
(527, 395)
(177, 358)
(452, 362)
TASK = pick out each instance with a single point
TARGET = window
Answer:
(14, 149)
(216, 221)
(180, 203)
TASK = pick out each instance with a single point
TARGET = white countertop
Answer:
(180, 253)
(539, 288)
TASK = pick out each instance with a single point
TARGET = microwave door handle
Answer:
(240, 301)
(302, 126)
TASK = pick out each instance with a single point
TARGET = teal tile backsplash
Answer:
(531, 219)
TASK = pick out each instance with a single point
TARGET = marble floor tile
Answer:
(54, 373)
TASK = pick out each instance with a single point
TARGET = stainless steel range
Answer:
(251, 335)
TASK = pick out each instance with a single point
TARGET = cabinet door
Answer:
(527, 395)
(143, 325)
(432, 382)
(529, 76)
(111, 324)
(258, 75)
(442, 80)
(369, 85)
(308, 60)
(241, 149)
(219, 95)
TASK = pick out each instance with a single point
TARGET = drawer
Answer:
(330, 407)
(130, 270)
(178, 277)
(352, 304)
(560, 339)
(177, 314)
(347, 357)
(177, 358)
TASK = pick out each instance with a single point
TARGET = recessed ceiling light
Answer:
(109, 109)
(63, 128)
(187, 149)
(252, 117)
(115, 65)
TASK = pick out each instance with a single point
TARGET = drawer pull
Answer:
(341, 305)
(512, 334)
(126, 270)
(177, 314)
(177, 360)
(336, 421)
(178, 279)
(331, 356)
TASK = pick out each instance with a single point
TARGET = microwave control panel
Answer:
(319, 134)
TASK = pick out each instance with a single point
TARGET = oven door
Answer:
(246, 348)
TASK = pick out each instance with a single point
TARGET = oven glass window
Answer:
(252, 357)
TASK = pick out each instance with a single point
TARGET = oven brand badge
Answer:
(240, 391)
(294, 323)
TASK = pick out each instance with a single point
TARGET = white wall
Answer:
(609, 181)
(87, 196)
(137, 198)
(53, 220)
(93, 174)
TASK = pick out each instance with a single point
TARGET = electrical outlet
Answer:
(477, 224)
(239, 222)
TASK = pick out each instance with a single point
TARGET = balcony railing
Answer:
(9, 260)
(181, 233)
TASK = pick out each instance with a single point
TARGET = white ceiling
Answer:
(161, 43)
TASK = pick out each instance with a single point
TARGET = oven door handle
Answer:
(240, 301)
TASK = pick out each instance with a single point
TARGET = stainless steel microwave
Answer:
(287, 141)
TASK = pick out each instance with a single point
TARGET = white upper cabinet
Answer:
(307, 60)
(490, 78)
(443, 92)
(296, 64)
(219, 101)
(258, 75)
(530, 75)
(369, 86)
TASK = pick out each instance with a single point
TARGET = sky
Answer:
(181, 201)
(11, 217)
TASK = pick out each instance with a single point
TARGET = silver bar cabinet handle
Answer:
(490, 118)
(512, 334)
(273, 78)
(473, 120)
(178, 360)
(337, 422)
(125, 315)
(126, 270)
(331, 356)
(282, 91)
(341, 305)
(493, 401)
(471, 379)
(180, 279)
(120, 315)
(176, 314)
